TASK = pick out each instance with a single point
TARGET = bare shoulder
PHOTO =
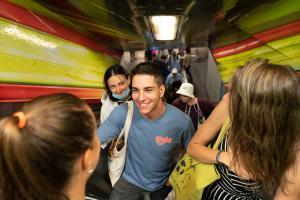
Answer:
(291, 189)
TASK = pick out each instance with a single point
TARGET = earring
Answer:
(91, 168)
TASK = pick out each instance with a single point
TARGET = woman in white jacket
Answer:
(117, 90)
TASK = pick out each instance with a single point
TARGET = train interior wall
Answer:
(43, 51)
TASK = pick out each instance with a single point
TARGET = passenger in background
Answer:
(158, 131)
(148, 55)
(48, 149)
(198, 109)
(164, 66)
(261, 150)
(173, 77)
(181, 55)
(154, 58)
(187, 61)
(117, 90)
(174, 62)
(173, 82)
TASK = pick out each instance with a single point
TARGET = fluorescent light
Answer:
(164, 27)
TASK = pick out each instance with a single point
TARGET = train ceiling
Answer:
(122, 25)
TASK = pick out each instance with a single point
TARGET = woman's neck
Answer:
(76, 189)
(76, 193)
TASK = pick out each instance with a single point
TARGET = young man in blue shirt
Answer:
(157, 132)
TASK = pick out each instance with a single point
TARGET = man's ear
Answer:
(162, 89)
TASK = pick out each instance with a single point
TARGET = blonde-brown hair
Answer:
(37, 160)
(265, 114)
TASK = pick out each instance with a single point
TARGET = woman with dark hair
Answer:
(117, 90)
(48, 149)
(260, 151)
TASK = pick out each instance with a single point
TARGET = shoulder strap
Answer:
(222, 133)
(199, 112)
(128, 119)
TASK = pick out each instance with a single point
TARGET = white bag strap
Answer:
(128, 120)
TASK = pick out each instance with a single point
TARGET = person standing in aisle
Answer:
(157, 134)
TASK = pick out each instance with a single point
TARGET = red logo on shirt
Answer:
(160, 140)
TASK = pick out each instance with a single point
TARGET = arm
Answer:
(113, 125)
(291, 189)
(168, 80)
(184, 65)
(187, 61)
(188, 133)
(180, 77)
(208, 130)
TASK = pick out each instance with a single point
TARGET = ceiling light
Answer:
(164, 27)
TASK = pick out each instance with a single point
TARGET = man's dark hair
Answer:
(163, 57)
(148, 68)
(188, 50)
(148, 54)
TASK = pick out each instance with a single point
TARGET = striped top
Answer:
(230, 186)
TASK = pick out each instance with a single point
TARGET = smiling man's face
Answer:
(147, 94)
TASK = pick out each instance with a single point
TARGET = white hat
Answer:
(174, 70)
(186, 89)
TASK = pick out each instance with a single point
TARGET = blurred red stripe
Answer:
(258, 39)
(17, 93)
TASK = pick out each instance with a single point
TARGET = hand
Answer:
(168, 183)
(225, 158)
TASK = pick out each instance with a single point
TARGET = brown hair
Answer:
(148, 68)
(265, 114)
(37, 161)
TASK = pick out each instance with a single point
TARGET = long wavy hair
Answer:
(265, 114)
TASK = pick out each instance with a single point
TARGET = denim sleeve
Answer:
(188, 133)
(113, 125)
